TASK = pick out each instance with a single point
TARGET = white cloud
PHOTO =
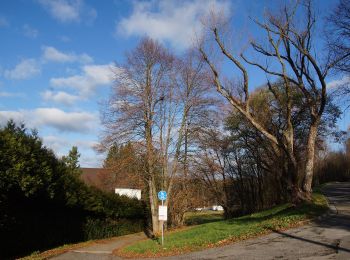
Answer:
(171, 21)
(60, 97)
(87, 82)
(25, 69)
(101, 74)
(52, 54)
(4, 22)
(72, 121)
(58, 143)
(81, 122)
(29, 32)
(67, 11)
(338, 83)
(17, 116)
(61, 146)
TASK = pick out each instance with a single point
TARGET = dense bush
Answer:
(43, 204)
(98, 228)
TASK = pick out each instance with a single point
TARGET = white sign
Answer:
(163, 213)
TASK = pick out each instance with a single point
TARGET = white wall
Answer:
(131, 193)
(217, 208)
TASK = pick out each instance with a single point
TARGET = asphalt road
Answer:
(326, 238)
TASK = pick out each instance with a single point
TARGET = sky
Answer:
(57, 58)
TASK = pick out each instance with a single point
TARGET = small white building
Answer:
(217, 208)
(131, 193)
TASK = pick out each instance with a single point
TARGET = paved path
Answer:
(100, 250)
(328, 238)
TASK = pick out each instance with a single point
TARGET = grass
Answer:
(222, 232)
(202, 217)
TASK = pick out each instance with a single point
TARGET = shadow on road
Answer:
(335, 247)
(339, 221)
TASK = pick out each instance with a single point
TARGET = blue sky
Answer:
(56, 57)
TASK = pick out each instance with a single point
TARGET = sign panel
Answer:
(162, 195)
(163, 213)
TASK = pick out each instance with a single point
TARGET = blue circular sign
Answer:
(162, 195)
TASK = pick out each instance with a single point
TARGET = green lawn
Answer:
(225, 231)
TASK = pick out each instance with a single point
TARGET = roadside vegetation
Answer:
(220, 232)
(44, 204)
(184, 123)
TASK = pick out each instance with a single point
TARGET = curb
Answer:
(344, 244)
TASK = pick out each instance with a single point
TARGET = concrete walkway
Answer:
(101, 250)
(327, 238)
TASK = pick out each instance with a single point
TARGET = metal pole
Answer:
(162, 228)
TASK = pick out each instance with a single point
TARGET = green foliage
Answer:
(25, 165)
(43, 204)
(97, 228)
(72, 161)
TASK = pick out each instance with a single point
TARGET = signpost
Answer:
(162, 211)
(162, 195)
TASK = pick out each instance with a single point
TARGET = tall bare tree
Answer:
(290, 51)
(196, 102)
(153, 100)
(137, 106)
(338, 35)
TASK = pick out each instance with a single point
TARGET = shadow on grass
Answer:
(202, 221)
(310, 210)
(204, 218)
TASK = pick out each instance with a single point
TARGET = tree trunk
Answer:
(154, 208)
(297, 195)
(310, 154)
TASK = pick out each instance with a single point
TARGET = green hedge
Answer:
(102, 228)
(43, 204)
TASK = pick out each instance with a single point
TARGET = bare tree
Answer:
(121, 168)
(197, 102)
(290, 50)
(136, 107)
(154, 98)
(338, 36)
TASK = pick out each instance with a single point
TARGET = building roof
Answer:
(94, 177)
(104, 179)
